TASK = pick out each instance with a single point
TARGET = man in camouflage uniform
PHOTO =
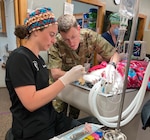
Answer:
(76, 46)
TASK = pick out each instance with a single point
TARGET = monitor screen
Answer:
(138, 49)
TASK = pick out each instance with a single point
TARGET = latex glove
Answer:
(91, 78)
(73, 74)
(110, 73)
(56, 138)
(87, 128)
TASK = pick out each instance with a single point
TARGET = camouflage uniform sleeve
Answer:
(54, 57)
(101, 46)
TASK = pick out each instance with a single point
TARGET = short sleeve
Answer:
(20, 71)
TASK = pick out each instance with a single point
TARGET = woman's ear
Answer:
(35, 33)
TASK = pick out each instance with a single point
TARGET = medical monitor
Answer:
(139, 49)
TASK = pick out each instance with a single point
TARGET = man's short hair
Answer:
(65, 22)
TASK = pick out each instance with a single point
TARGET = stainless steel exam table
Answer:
(77, 96)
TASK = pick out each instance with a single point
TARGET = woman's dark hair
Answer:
(108, 26)
(21, 31)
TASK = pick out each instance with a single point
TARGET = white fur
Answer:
(107, 87)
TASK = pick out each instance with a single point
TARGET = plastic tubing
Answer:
(128, 113)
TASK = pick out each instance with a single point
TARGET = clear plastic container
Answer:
(68, 135)
(127, 8)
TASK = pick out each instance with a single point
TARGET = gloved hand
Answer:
(91, 78)
(110, 73)
(73, 74)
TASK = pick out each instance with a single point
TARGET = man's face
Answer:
(72, 37)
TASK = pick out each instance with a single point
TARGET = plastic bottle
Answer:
(127, 8)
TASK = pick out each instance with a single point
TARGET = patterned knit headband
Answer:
(39, 18)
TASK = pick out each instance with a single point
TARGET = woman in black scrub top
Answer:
(27, 80)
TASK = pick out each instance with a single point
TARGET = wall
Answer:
(78, 7)
(10, 39)
(3, 42)
(56, 5)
